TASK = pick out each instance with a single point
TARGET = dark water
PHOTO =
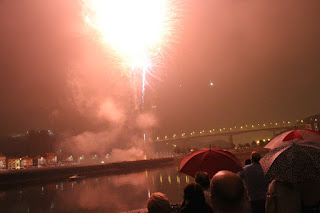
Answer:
(115, 193)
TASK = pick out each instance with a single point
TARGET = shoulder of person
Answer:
(272, 187)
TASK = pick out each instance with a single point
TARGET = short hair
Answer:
(255, 157)
(247, 162)
(202, 178)
(227, 191)
(193, 193)
(158, 203)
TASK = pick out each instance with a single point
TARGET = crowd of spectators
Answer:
(246, 192)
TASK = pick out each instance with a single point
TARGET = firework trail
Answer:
(139, 33)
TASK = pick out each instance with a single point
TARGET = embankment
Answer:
(35, 175)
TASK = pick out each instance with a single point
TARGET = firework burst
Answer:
(139, 33)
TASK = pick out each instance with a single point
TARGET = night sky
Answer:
(263, 58)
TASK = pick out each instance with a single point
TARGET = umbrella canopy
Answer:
(293, 135)
(210, 161)
(297, 161)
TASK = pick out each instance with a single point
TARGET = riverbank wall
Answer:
(35, 175)
(10, 178)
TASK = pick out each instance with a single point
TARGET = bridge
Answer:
(275, 128)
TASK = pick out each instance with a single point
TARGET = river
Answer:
(108, 193)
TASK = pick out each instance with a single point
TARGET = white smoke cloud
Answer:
(146, 120)
(110, 112)
(131, 154)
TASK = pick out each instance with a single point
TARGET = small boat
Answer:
(75, 177)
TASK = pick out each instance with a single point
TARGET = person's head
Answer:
(255, 157)
(158, 203)
(202, 178)
(227, 192)
(193, 194)
(247, 162)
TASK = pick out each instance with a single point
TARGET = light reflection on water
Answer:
(97, 194)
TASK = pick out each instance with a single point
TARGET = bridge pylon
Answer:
(231, 139)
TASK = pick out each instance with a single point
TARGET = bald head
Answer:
(227, 190)
(255, 157)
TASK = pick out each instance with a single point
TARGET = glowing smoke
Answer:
(126, 155)
(137, 35)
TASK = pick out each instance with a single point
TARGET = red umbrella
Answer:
(210, 161)
(293, 135)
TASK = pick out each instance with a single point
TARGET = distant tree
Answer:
(188, 149)
(232, 145)
(247, 145)
(254, 143)
(262, 143)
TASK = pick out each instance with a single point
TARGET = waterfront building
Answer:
(13, 163)
(3, 160)
(39, 161)
(51, 159)
(67, 160)
(26, 162)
